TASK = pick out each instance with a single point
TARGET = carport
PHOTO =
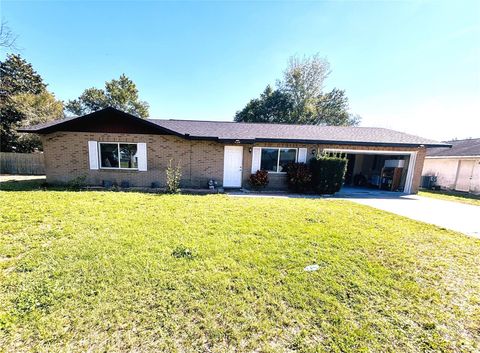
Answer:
(379, 169)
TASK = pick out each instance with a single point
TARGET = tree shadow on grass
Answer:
(29, 185)
(41, 185)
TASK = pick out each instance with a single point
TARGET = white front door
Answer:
(232, 166)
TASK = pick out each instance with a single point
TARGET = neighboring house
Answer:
(456, 168)
(110, 145)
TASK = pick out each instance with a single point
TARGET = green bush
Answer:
(259, 179)
(299, 176)
(328, 173)
(77, 183)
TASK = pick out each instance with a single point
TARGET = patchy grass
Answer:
(104, 271)
(452, 196)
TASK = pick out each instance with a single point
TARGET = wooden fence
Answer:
(22, 163)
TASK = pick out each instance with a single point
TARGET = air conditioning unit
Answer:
(429, 182)
(394, 163)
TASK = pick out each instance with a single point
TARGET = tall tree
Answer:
(332, 108)
(303, 100)
(18, 76)
(121, 94)
(303, 80)
(34, 109)
(273, 106)
(19, 86)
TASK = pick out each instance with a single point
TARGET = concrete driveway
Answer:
(452, 215)
(447, 214)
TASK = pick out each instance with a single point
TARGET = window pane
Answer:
(109, 155)
(287, 155)
(128, 155)
(269, 159)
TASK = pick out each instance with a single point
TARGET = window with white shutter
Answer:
(93, 154)
(302, 155)
(142, 156)
(117, 155)
(274, 159)
(256, 159)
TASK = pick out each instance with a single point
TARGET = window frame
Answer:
(278, 157)
(119, 161)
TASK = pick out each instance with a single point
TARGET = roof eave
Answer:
(258, 140)
(32, 131)
(55, 127)
(330, 142)
(359, 143)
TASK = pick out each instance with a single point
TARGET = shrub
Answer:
(299, 176)
(328, 173)
(259, 179)
(77, 183)
(174, 175)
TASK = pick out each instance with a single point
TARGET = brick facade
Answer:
(66, 157)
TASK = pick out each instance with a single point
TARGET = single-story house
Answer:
(111, 145)
(456, 168)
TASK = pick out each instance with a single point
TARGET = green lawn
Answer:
(107, 271)
(452, 196)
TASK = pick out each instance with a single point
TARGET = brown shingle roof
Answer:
(254, 132)
(468, 147)
(304, 133)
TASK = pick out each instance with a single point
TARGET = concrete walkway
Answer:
(452, 215)
(15, 177)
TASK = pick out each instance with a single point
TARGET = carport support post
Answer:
(410, 172)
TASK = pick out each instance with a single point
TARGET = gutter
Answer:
(448, 157)
(326, 142)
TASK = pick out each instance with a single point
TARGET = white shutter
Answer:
(93, 154)
(256, 159)
(302, 155)
(142, 156)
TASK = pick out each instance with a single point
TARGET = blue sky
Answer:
(411, 66)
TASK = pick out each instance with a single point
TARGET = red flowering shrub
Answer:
(259, 180)
(299, 176)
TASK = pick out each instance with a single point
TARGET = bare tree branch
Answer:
(7, 37)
